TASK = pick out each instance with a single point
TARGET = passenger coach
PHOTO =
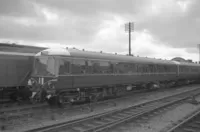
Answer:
(70, 75)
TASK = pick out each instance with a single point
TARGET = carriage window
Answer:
(89, 67)
(64, 66)
(79, 66)
(154, 68)
(185, 69)
(145, 68)
(105, 67)
(95, 67)
(139, 68)
(112, 67)
(166, 68)
(158, 68)
(170, 68)
(195, 69)
(161, 68)
(174, 69)
(181, 69)
(100, 66)
(131, 68)
(122, 67)
(151, 68)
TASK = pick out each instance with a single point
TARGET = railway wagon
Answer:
(15, 70)
(70, 75)
(187, 72)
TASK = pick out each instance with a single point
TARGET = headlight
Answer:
(29, 82)
(72, 100)
(50, 89)
(51, 85)
(48, 96)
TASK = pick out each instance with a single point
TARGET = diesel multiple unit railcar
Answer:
(70, 75)
(15, 70)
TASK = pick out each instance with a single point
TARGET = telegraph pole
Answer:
(130, 28)
(199, 51)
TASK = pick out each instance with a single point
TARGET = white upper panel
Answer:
(55, 51)
(176, 62)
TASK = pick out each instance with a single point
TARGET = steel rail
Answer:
(105, 121)
(11, 113)
(26, 107)
(188, 124)
(17, 111)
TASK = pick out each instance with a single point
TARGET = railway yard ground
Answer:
(160, 120)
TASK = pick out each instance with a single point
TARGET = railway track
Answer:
(31, 110)
(107, 120)
(24, 111)
(189, 124)
(36, 106)
(30, 106)
(20, 111)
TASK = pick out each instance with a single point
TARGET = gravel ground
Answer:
(161, 121)
(53, 116)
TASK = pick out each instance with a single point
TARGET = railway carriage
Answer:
(15, 69)
(188, 73)
(70, 75)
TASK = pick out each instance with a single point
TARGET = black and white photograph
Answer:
(99, 66)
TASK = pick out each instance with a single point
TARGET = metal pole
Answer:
(199, 52)
(129, 29)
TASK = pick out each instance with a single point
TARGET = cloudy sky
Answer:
(163, 28)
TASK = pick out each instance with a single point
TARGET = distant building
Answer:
(190, 61)
(179, 59)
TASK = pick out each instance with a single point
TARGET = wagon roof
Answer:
(16, 53)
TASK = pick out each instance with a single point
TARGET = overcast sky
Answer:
(163, 28)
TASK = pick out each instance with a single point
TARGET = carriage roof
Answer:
(106, 56)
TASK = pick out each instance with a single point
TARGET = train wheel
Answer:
(93, 98)
(36, 98)
(60, 100)
(153, 86)
(56, 101)
(52, 101)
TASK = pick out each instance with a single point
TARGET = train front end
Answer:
(45, 73)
